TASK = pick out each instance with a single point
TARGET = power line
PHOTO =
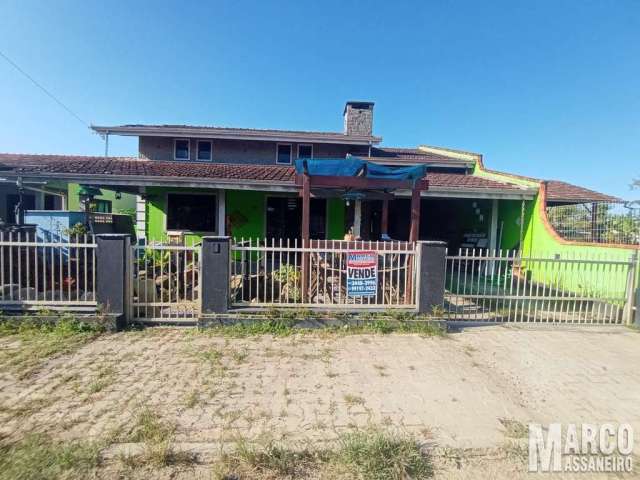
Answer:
(47, 92)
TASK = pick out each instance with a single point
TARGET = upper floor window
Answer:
(283, 155)
(204, 150)
(181, 149)
(305, 151)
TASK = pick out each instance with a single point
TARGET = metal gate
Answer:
(282, 273)
(506, 286)
(165, 283)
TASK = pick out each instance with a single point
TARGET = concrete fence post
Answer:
(214, 274)
(431, 275)
(112, 270)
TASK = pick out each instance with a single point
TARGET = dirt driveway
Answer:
(455, 391)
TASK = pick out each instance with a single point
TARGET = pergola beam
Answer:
(363, 183)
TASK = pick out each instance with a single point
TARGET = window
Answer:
(192, 212)
(204, 150)
(181, 150)
(101, 206)
(305, 151)
(283, 155)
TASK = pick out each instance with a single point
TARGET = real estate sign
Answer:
(362, 273)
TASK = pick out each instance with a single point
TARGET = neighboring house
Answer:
(191, 181)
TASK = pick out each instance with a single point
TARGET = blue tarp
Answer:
(353, 166)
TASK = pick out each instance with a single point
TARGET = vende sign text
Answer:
(362, 273)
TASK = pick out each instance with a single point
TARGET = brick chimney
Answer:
(358, 118)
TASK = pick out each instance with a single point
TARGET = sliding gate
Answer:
(507, 286)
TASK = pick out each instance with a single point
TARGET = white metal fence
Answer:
(39, 274)
(165, 283)
(505, 286)
(283, 273)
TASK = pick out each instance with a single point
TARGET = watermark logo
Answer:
(575, 448)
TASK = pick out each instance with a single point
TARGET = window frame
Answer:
(290, 145)
(305, 145)
(175, 149)
(189, 231)
(210, 151)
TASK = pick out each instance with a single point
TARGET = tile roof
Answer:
(411, 155)
(83, 165)
(41, 165)
(558, 191)
(91, 165)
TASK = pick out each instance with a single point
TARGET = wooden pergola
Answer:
(361, 184)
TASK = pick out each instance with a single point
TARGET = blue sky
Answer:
(544, 88)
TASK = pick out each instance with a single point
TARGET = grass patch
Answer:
(514, 428)
(37, 342)
(38, 457)
(365, 323)
(380, 455)
(352, 400)
(156, 435)
(106, 376)
(192, 399)
(366, 455)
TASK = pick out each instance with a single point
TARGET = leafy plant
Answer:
(78, 230)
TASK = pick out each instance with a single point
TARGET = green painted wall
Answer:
(246, 209)
(335, 219)
(604, 280)
(509, 213)
(540, 242)
(126, 204)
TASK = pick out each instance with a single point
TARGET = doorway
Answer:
(284, 218)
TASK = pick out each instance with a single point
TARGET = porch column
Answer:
(493, 237)
(414, 232)
(357, 218)
(493, 231)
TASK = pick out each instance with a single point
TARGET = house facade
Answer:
(192, 181)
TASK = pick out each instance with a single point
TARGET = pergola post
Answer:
(306, 217)
(414, 232)
(384, 222)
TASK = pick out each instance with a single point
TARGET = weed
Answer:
(514, 428)
(40, 341)
(352, 400)
(156, 434)
(192, 399)
(366, 455)
(381, 455)
(105, 377)
(239, 356)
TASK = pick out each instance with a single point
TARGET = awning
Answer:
(356, 167)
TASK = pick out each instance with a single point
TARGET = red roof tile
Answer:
(412, 155)
(41, 165)
(558, 191)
